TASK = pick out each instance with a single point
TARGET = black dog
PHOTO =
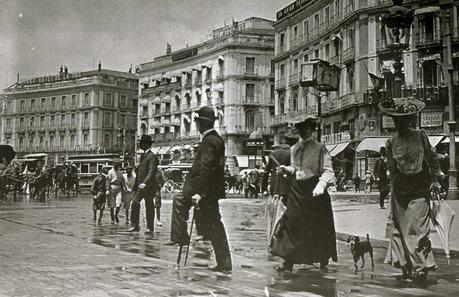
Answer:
(358, 250)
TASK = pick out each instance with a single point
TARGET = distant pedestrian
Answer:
(98, 191)
(368, 178)
(157, 199)
(129, 182)
(254, 178)
(246, 184)
(115, 188)
(380, 172)
(414, 169)
(357, 182)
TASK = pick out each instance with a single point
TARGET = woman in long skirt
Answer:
(308, 233)
(414, 167)
(115, 190)
(98, 190)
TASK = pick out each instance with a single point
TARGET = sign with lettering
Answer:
(387, 122)
(431, 119)
(321, 75)
(291, 8)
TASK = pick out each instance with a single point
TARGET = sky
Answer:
(38, 36)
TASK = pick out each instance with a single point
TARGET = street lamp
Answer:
(256, 141)
(396, 25)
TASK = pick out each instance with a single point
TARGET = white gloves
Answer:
(319, 189)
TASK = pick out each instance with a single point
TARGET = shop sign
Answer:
(431, 119)
(387, 122)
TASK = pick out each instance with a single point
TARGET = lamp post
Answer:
(396, 24)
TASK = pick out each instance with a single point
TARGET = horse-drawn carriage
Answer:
(174, 176)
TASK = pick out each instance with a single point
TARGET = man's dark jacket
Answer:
(207, 176)
(146, 172)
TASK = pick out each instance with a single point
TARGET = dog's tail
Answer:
(368, 237)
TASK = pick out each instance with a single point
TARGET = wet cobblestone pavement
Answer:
(54, 249)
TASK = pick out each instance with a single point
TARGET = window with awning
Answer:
(339, 148)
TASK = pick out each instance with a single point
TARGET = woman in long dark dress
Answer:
(414, 167)
(308, 233)
(98, 190)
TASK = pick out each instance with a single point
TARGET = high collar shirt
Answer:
(311, 158)
(207, 132)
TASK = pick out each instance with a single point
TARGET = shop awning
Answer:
(330, 147)
(427, 10)
(155, 149)
(164, 150)
(372, 144)
(435, 139)
(242, 161)
(339, 148)
(446, 140)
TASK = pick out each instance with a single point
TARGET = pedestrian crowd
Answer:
(297, 177)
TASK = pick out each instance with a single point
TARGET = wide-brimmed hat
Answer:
(206, 113)
(146, 139)
(104, 171)
(400, 107)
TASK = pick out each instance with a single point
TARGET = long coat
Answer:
(278, 184)
(146, 172)
(207, 176)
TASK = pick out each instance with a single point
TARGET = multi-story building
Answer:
(348, 34)
(231, 72)
(72, 113)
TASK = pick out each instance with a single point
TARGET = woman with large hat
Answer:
(414, 168)
(308, 232)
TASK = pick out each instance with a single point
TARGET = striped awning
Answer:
(339, 148)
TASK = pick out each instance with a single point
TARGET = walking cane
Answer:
(179, 256)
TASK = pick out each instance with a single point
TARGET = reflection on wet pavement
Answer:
(90, 258)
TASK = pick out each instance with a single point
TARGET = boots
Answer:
(117, 214)
(95, 216)
(100, 217)
(127, 216)
(112, 215)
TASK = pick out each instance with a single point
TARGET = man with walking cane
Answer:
(203, 187)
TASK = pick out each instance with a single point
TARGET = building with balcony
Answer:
(231, 72)
(348, 34)
(71, 113)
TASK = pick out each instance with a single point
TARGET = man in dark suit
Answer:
(380, 172)
(204, 186)
(145, 186)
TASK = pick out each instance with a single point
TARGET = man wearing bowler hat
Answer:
(145, 185)
(204, 186)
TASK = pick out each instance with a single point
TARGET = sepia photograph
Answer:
(272, 148)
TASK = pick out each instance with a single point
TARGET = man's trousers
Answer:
(149, 205)
(208, 223)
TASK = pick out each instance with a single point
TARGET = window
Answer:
(282, 71)
(281, 104)
(327, 52)
(250, 92)
(250, 65)
(316, 24)
(85, 140)
(74, 100)
(21, 123)
(250, 120)
(32, 122)
(198, 101)
(32, 104)
(295, 66)
(306, 30)
(295, 101)
(337, 10)
(21, 142)
(86, 99)
(282, 42)
(295, 34)
(350, 38)
(63, 103)
(43, 103)
(107, 142)
(317, 54)
(72, 141)
(52, 121)
(42, 141)
(123, 120)
(327, 16)
(53, 102)
(123, 101)
(72, 119)
(51, 141)
(86, 119)
(430, 73)
(350, 78)
(42, 121)
(272, 93)
(107, 119)
(62, 142)
(22, 106)
(108, 99)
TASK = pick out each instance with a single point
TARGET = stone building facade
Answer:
(72, 113)
(231, 72)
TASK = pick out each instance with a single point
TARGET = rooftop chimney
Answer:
(99, 66)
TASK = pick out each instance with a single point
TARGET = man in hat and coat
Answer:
(204, 186)
(145, 186)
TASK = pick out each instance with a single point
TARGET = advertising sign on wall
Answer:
(431, 119)
(387, 122)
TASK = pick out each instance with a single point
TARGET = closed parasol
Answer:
(442, 216)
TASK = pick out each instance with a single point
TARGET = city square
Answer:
(229, 148)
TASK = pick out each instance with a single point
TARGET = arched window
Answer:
(107, 142)
(250, 120)
(62, 142)
(198, 98)
(143, 129)
(295, 101)
(281, 104)
(85, 140)
(72, 141)
(51, 141)
(177, 102)
(187, 100)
